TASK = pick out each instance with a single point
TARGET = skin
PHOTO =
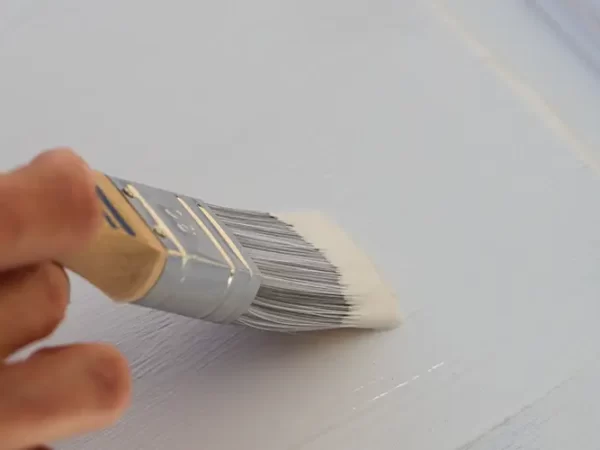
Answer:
(49, 208)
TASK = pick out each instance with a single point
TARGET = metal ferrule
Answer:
(207, 275)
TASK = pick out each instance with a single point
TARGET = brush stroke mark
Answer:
(437, 366)
(383, 394)
(528, 95)
(405, 383)
(376, 380)
(504, 422)
(356, 411)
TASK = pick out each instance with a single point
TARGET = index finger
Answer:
(47, 208)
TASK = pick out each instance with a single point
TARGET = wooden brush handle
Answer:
(125, 259)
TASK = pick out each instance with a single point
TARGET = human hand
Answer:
(49, 208)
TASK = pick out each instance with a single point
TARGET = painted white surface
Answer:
(400, 119)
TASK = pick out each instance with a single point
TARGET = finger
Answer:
(61, 393)
(48, 207)
(32, 304)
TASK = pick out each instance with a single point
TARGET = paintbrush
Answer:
(174, 253)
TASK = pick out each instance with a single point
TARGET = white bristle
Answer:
(373, 303)
(313, 277)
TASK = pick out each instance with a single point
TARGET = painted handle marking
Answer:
(112, 216)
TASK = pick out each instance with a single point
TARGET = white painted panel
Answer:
(380, 113)
(566, 417)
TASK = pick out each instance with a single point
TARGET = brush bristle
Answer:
(313, 275)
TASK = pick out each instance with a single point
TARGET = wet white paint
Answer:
(461, 158)
(397, 386)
